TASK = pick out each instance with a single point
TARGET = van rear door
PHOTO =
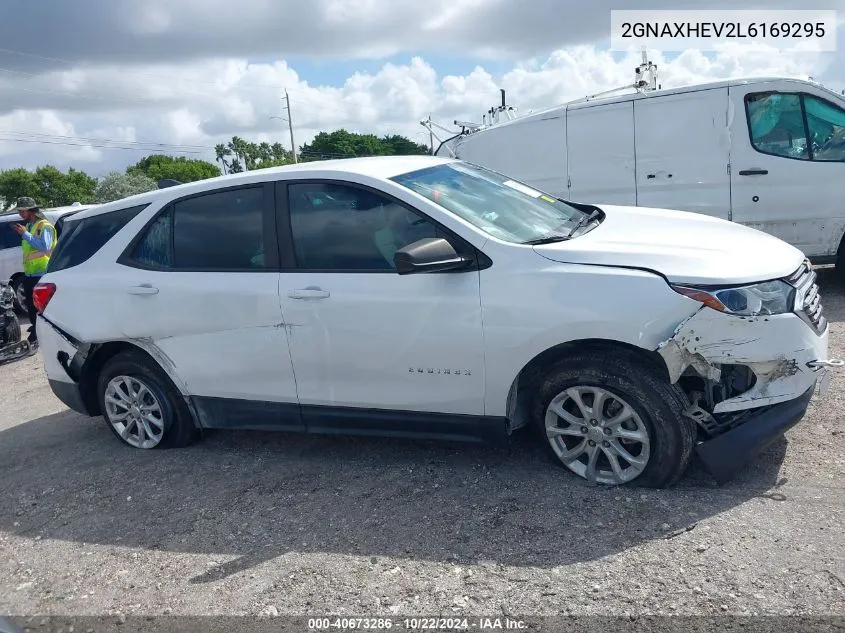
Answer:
(683, 148)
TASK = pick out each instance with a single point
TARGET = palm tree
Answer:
(222, 151)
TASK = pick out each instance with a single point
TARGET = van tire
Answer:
(658, 405)
(179, 429)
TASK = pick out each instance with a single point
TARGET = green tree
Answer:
(344, 144)
(222, 151)
(399, 145)
(49, 186)
(239, 154)
(57, 189)
(18, 182)
(115, 186)
(161, 166)
(240, 149)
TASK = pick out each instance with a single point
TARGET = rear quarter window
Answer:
(81, 238)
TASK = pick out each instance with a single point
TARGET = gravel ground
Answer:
(256, 523)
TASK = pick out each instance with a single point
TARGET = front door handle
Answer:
(308, 293)
(753, 172)
(143, 289)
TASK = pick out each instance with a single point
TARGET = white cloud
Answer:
(204, 102)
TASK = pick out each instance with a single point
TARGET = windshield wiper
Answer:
(548, 239)
(584, 221)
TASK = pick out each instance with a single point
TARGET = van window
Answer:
(776, 124)
(8, 238)
(779, 124)
(81, 238)
(826, 123)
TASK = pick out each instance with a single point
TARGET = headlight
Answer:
(768, 297)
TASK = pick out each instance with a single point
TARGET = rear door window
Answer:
(81, 238)
(229, 230)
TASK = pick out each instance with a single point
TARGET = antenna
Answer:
(640, 84)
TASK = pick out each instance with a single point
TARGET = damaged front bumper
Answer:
(726, 454)
(784, 354)
(785, 362)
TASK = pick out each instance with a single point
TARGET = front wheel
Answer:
(614, 419)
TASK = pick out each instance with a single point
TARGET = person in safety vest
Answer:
(38, 241)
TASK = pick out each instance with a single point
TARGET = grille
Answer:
(808, 302)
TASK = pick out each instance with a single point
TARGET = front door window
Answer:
(796, 125)
(776, 124)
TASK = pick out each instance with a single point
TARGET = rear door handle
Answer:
(308, 293)
(753, 172)
(143, 289)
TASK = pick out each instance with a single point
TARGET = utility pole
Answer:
(430, 135)
(290, 126)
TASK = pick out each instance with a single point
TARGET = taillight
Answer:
(41, 295)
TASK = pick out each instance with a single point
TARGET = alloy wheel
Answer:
(134, 411)
(597, 435)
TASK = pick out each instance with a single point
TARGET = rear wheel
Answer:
(141, 405)
(614, 419)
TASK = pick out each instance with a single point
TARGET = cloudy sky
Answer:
(96, 84)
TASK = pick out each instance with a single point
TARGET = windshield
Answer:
(497, 205)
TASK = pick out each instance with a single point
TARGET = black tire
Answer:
(658, 404)
(179, 428)
(20, 308)
(12, 327)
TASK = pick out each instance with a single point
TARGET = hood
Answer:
(683, 246)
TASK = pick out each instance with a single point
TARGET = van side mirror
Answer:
(428, 255)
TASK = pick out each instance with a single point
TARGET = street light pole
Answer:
(290, 127)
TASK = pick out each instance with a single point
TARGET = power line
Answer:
(106, 140)
(70, 144)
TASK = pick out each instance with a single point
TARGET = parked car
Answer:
(11, 263)
(764, 152)
(426, 297)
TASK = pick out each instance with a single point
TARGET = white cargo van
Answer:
(768, 153)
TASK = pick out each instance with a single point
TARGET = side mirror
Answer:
(432, 254)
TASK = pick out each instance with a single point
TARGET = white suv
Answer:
(427, 297)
